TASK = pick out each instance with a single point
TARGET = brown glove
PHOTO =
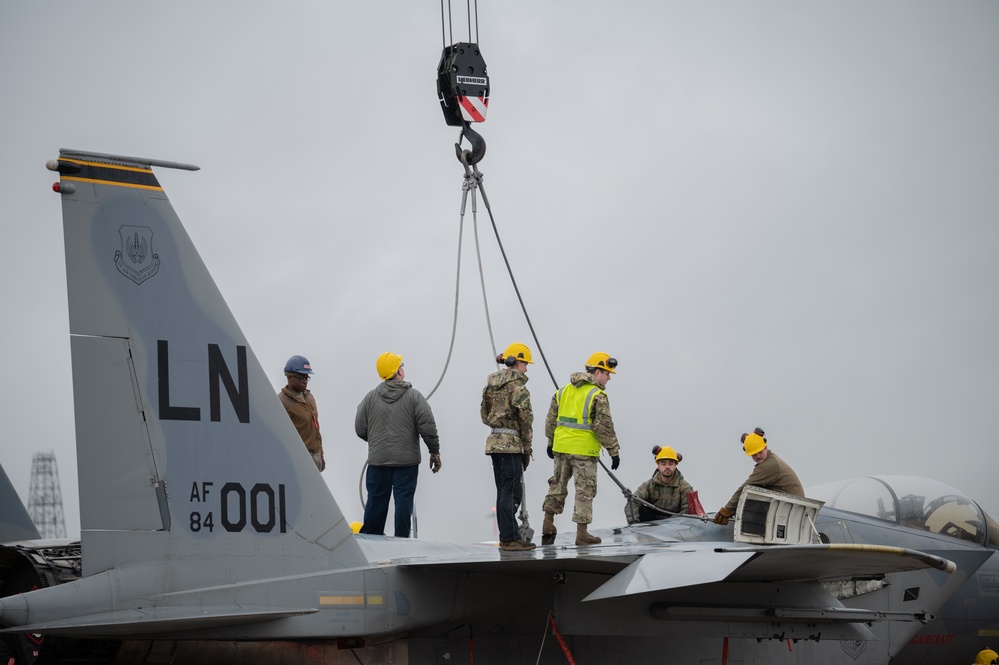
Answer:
(721, 517)
(435, 462)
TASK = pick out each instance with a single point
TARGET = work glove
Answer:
(322, 457)
(615, 462)
(526, 459)
(551, 452)
(435, 462)
(721, 517)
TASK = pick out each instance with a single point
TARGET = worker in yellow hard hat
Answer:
(578, 427)
(666, 489)
(506, 409)
(393, 418)
(770, 472)
(987, 657)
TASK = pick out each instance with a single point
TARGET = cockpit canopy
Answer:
(918, 503)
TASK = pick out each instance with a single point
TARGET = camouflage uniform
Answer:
(671, 497)
(506, 408)
(581, 467)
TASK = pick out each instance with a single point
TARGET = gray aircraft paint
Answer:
(204, 520)
(15, 523)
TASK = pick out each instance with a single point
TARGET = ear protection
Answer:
(509, 361)
(656, 449)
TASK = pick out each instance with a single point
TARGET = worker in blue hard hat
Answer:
(301, 407)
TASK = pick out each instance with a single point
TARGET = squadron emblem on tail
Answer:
(135, 259)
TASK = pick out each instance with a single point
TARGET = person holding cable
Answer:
(578, 426)
(770, 472)
(666, 489)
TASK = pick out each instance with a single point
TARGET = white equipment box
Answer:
(768, 517)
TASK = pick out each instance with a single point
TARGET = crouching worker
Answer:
(770, 472)
(666, 490)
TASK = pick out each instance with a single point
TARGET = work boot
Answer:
(583, 537)
(548, 526)
(548, 529)
(516, 546)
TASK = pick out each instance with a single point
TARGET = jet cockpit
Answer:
(914, 502)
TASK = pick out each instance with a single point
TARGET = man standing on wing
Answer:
(392, 418)
(578, 425)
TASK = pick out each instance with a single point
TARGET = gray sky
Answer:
(776, 214)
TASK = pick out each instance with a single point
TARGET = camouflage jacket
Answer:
(670, 496)
(603, 423)
(506, 408)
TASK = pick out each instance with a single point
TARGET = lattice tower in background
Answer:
(45, 497)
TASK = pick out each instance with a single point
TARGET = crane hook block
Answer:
(462, 84)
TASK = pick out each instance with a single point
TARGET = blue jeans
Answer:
(383, 482)
(508, 472)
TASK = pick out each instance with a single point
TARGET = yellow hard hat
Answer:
(515, 352)
(601, 360)
(986, 657)
(667, 453)
(753, 443)
(356, 527)
(388, 364)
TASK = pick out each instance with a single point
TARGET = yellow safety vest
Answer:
(573, 430)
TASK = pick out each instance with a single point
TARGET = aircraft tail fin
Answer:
(183, 449)
(15, 523)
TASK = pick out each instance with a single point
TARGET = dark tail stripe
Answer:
(128, 176)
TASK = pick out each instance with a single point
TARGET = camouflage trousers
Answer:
(584, 469)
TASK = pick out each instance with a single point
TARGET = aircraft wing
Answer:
(808, 563)
(649, 565)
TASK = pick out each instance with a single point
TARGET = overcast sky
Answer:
(775, 214)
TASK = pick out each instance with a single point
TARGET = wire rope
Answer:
(513, 280)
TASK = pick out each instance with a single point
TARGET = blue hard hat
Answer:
(298, 365)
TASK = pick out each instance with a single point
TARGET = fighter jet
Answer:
(207, 536)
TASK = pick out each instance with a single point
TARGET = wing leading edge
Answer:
(658, 571)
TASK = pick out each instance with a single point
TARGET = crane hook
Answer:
(477, 143)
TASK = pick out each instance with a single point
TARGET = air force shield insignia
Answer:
(135, 259)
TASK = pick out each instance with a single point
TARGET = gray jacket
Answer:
(391, 418)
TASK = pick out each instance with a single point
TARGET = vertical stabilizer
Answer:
(15, 523)
(183, 448)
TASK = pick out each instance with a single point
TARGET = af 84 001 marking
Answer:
(259, 509)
